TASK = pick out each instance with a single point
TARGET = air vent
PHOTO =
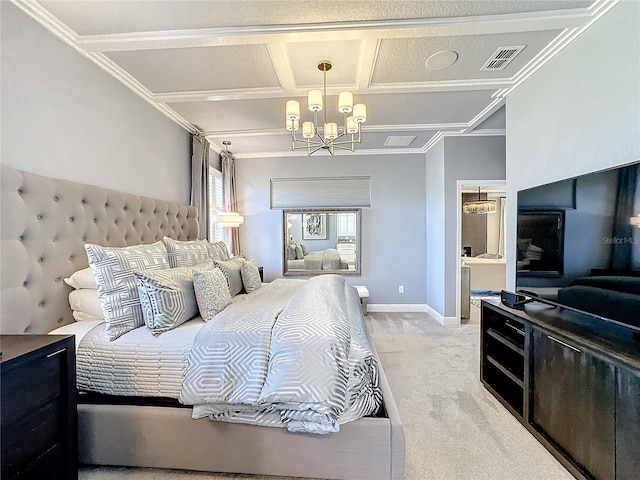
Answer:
(501, 58)
(399, 140)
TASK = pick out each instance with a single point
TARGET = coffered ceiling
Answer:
(226, 68)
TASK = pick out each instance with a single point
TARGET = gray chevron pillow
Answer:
(250, 276)
(167, 296)
(113, 269)
(212, 292)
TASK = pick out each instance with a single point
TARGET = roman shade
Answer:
(321, 192)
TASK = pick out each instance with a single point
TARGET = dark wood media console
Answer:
(572, 380)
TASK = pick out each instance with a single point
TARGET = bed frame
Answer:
(45, 223)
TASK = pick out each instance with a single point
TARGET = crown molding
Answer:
(340, 31)
(596, 10)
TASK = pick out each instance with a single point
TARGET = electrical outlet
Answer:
(400, 288)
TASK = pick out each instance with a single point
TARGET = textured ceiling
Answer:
(226, 68)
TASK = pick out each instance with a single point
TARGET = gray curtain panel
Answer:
(232, 235)
(200, 182)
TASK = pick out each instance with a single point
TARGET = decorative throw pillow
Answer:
(218, 251)
(186, 254)
(250, 276)
(299, 253)
(291, 251)
(231, 270)
(82, 279)
(304, 249)
(212, 292)
(113, 269)
(167, 296)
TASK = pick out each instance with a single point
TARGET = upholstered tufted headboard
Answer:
(44, 225)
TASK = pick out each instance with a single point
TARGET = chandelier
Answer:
(327, 136)
(480, 207)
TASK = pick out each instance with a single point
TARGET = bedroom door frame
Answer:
(460, 185)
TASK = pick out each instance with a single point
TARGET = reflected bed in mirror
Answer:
(321, 241)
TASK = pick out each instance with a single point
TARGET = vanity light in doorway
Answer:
(480, 207)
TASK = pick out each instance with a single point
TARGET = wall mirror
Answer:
(321, 241)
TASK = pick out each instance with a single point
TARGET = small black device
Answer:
(513, 300)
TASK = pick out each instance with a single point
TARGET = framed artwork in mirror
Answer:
(314, 226)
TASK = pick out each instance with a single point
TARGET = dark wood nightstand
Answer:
(39, 413)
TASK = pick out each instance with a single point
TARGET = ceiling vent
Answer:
(501, 58)
(399, 140)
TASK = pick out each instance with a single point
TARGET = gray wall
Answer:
(63, 116)
(466, 158)
(457, 159)
(579, 113)
(393, 229)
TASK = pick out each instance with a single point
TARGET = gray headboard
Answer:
(44, 225)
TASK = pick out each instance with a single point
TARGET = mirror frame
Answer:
(309, 272)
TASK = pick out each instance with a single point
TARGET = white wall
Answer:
(393, 229)
(64, 117)
(577, 114)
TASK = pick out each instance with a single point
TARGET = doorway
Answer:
(481, 268)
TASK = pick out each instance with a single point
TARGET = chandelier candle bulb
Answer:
(352, 126)
(308, 130)
(345, 102)
(330, 130)
(359, 113)
(293, 110)
(315, 100)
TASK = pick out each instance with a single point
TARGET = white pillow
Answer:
(86, 317)
(82, 279)
(86, 300)
(113, 269)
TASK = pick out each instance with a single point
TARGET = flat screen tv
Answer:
(578, 243)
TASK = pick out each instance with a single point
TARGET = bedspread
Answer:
(300, 360)
(328, 259)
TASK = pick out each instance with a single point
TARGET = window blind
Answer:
(321, 192)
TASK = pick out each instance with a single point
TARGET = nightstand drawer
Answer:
(39, 412)
(31, 437)
(50, 465)
(38, 381)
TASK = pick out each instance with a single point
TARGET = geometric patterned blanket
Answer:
(294, 354)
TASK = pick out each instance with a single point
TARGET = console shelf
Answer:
(572, 380)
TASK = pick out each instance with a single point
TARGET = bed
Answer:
(45, 224)
(328, 259)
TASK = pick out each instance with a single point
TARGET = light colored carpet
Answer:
(455, 429)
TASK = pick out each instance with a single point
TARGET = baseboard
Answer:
(396, 307)
(441, 319)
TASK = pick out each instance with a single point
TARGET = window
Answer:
(216, 232)
(347, 224)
